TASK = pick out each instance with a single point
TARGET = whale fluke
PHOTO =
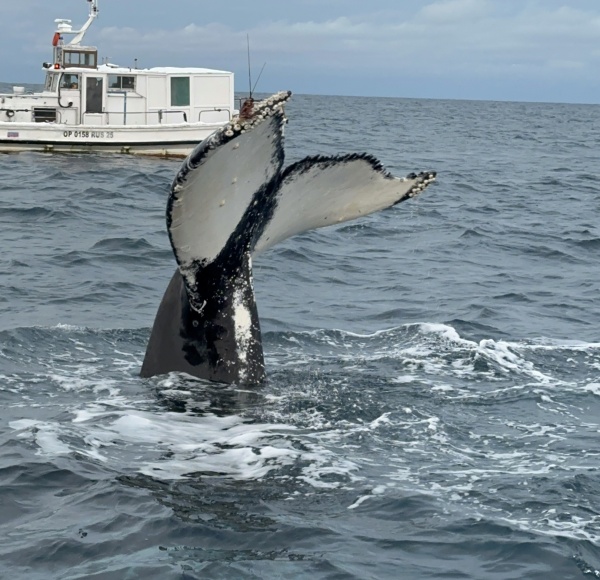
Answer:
(230, 201)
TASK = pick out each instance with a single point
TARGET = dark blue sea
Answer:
(433, 403)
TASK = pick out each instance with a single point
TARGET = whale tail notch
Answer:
(231, 201)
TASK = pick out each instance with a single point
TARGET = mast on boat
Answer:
(64, 26)
(73, 53)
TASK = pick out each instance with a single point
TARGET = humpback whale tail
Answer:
(230, 201)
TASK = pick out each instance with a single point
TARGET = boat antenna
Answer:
(259, 75)
(249, 66)
(93, 14)
(250, 85)
(247, 107)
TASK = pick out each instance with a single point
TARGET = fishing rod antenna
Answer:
(259, 75)
(249, 66)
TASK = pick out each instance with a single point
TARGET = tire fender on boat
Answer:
(10, 113)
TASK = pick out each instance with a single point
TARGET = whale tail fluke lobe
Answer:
(321, 191)
(231, 201)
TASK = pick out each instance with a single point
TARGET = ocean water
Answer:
(433, 402)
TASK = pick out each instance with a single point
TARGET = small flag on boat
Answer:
(13, 134)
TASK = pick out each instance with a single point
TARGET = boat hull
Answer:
(161, 140)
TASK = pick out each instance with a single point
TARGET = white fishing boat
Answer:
(88, 106)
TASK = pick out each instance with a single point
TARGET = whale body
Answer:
(231, 200)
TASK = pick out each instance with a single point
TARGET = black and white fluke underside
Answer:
(230, 201)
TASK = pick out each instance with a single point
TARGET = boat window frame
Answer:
(86, 58)
(118, 79)
(175, 91)
(51, 82)
(64, 85)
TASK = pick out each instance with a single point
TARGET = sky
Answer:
(516, 50)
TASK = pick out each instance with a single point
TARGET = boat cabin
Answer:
(111, 95)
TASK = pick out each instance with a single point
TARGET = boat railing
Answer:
(53, 114)
(215, 110)
(166, 115)
(141, 118)
(162, 116)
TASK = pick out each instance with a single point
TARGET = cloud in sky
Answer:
(510, 49)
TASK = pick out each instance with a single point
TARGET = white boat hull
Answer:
(162, 140)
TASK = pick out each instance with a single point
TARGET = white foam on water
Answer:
(446, 332)
(467, 478)
(23, 425)
(504, 355)
(68, 327)
(423, 453)
(431, 350)
(44, 434)
(81, 378)
(309, 432)
(376, 491)
(508, 360)
(170, 445)
(568, 526)
(405, 379)
(174, 445)
(593, 388)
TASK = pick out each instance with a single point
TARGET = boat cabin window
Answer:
(180, 91)
(51, 82)
(121, 83)
(85, 59)
(69, 81)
